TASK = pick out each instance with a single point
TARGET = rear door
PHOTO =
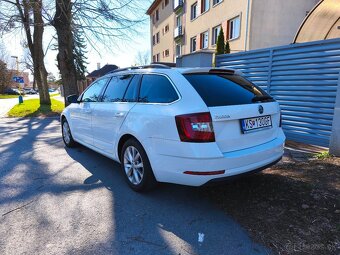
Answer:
(119, 97)
(243, 115)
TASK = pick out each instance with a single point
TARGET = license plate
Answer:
(256, 123)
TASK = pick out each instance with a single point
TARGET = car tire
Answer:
(67, 135)
(136, 166)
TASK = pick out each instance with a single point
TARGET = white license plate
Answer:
(257, 123)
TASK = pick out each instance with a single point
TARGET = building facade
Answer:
(180, 27)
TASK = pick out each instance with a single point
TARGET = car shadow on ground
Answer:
(166, 220)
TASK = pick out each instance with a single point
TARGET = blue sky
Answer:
(122, 55)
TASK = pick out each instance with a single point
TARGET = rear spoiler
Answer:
(212, 71)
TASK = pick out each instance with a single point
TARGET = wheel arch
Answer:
(121, 142)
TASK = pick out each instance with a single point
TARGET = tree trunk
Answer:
(34, 83)
(35, 44)
(62, 23)
(38, 54)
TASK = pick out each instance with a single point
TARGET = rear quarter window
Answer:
(224, 89)
(156, 89)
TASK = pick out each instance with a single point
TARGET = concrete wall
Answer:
(276, 22)
(197, 59)
(334, 145)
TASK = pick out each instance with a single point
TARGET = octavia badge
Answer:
(261, 110)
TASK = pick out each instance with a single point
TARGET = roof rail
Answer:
(153, 65)
(168, 64)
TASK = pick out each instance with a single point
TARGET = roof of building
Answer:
(102, 71)
(321, 23)
(153, 6)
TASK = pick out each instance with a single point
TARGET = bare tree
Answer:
(63, 24)
(99, 21)
(28, 15)
(143, 58)
(5, 75)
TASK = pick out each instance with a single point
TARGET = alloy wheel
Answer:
(66, 132)
(133, 165)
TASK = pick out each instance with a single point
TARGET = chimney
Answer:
(98, 66)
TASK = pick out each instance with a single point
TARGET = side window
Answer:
(131, 93)
(92, 94)
(116, 88)
(156, 89)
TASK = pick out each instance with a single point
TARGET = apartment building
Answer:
(180, 27)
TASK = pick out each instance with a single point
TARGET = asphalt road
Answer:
(55, 200)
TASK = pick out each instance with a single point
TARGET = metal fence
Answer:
(303, 78)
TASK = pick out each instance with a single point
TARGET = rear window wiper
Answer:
(261, 98)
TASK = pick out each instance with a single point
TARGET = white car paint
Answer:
(100, 126)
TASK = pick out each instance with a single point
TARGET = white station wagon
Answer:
(186, 126)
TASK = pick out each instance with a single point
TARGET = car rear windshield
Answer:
(225, 89)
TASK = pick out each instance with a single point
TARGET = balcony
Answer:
(178, 4)
(178, 32)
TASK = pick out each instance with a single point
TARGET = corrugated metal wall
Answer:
(303, 78)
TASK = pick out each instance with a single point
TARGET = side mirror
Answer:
(72, 99)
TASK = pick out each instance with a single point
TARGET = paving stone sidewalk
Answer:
(299, 152)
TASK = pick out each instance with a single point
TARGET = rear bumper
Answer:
(230, 178)
(171, 168)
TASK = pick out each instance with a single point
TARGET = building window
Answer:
(166, 29)
(178, 50)
(154, 40)
(215, 32)
(156, 58)
(166, 2)
(205, 5)
(193, 44)
(204, 40)
(193, 14)
(178, 21)
(234, 28)
(156, 15)
(216, 2)
(157, 37)
(166, 53)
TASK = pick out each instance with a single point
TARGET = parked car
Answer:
(10, 91)
(29, 91)
(185, 126)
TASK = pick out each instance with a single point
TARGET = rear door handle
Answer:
(119, 114)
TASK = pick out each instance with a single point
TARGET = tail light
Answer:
(196, 127)
(280, 123)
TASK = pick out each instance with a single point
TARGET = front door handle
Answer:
(119, 114)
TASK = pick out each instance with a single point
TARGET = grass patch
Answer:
(32, 108)
(2, 96)
(54, 95)
(323, 155)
